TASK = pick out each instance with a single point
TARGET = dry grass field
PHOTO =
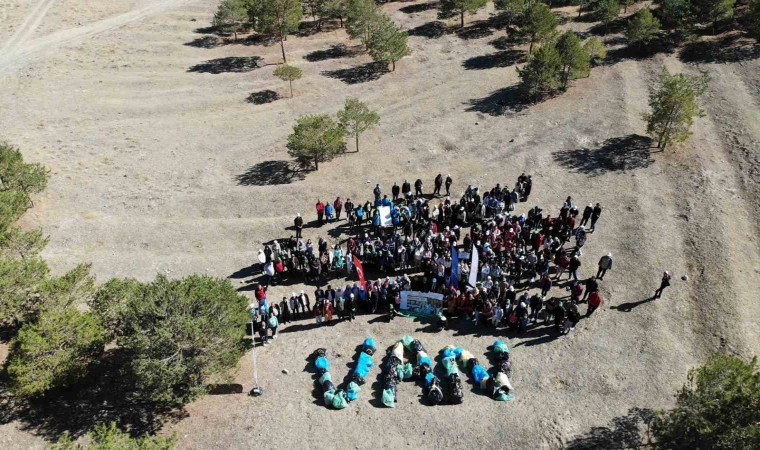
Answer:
(162, 162)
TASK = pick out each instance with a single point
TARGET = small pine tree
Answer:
(539, 24)
(356, 118)
(642, 28)
(230, 16)
(276, 17)
(678, 15)
(607, 11)
(387, 42)
(711, 11)
(335, 9)
(513, 9)
(362, 17)
(112, 438)
(315, 138)
(595, 49)
(541, 76)
(450, 8)
(575, 58)
(674, 107)
(289, 74)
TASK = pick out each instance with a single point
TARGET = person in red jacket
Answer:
(594, 301)
(320, 212)
(338, 208)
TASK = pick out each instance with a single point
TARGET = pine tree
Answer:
(356, 118)
(315, 138)
(541, 76)
(362, 17)
(539, 24)
(231, 15)
(387, 42)
(643, 27)
(289, 74)
(450, 8)
(575, 59)
(674, 106)
(276, 17)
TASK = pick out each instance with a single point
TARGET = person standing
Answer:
(329, 212)
(587, 214)
(351, 307)
(320, 212)
(349, 205)
(406, 188)
(298, 223)
(665, 282)
(338, 205)
(285, 310)
(591, 286)
(594, 302)
(605, 264)
(595, 216)
(418, 187)
(395, 191)
(575, 264)
(438, 183)
(448, 185)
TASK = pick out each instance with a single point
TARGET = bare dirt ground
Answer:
(161, 163)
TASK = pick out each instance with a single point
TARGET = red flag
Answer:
(359, 271)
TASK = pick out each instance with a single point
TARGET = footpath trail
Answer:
(15, 53)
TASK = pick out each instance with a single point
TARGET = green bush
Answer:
(112, 438)
(718, 408)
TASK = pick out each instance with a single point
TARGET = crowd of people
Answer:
(522, 257)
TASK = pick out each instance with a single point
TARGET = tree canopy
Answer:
(289, 74)
(450, 8)
(387, 43)
(539, 23)
(643, 27)
(541, 76)
(607, 11)
(231, 15)
(315, 138)
(110, 437)
(356, 118)
(276, 17)
(674, 106)
(362, 17)
(574, 57)
(181, 334)
(718, 408)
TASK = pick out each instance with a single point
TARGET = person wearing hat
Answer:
(298, 223)
(665, 282)
(605, 264)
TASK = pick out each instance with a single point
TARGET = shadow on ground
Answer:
(263, 97)
(229, 64)
(500, 102)
(268, 173)
(106, 395)
(624, 432)
(617, 154)
(359, 74)
(334, 52)
(419, 7)
(504, 58)
(430, 30)
(729, 49)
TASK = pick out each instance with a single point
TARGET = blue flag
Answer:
(454, 280)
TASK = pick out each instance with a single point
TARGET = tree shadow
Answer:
(504, 58)
(639, 52)
(310, 28)
(729, 49)
(258, 39)
(359, 74)
(334, 52)
(616, 154)
(419, 7)
(614, 27)
(507, 42)
(500, 102)
(476, 31)
(430, 30)
(263, 97)
(205, 42)
(624, 432)
(107, 394)
(225, 389)
(269, 173)
(627, 307)
(228, 64)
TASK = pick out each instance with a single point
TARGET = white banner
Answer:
(473, 267)
(385, 216)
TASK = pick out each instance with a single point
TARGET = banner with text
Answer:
(421, 303)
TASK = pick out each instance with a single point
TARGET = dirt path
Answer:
(27, 28)
(15, 56)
